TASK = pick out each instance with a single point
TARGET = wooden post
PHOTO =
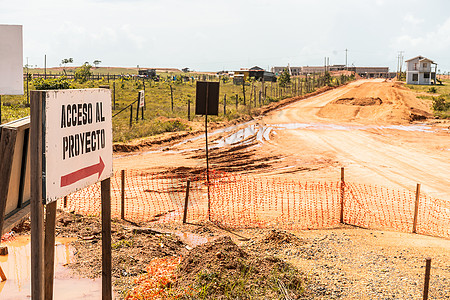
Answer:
(122, 207)
(106, 240)
(237, 101)
(137, 109)
(427, 278)
(37, 208)
(49, 258)
(7, 146)
(65, 202)
(416, 208)
(243, 89)
(342, 195)
(171, 96)
(2, 275)
(186, 200)
(0, 109)
(189, 109)
(224, 104)
(114, 95)
(131, 115)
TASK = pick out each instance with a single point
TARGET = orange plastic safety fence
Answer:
(244, 201)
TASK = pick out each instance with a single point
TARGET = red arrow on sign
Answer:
(73, 177)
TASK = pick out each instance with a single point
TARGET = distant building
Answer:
(419, 71)
(371, 72)
(296, 71)
(256, 72)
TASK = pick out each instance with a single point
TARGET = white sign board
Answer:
(141, 98)
(77, 139)
(11, 60)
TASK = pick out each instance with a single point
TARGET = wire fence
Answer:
(249, 201)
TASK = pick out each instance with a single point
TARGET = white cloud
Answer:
(410, 18)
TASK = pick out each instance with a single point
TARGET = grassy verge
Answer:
(167, 103)
(438, 94)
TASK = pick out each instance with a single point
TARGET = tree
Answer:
(285, 78)
(83, 73)
(185, 70)
(66, 61)
(96, 62)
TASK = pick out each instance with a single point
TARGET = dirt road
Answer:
(364, 126)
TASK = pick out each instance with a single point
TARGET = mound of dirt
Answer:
(364, 104)
(280, 237)
(222, 270)
(366, 101)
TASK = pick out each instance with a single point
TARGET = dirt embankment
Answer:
(385, 102)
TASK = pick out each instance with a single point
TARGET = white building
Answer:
(419, 70)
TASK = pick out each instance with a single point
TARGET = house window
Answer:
(415, 66)
(426, 75)
(415, 77)
(424, 65)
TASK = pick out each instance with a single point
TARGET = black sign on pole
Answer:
(207, 103)
(207, 95)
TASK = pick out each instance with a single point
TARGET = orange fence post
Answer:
(416, 208)
(122, 206)
(342, 195)
(186, 200)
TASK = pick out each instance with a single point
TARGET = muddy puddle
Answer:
(17, 265)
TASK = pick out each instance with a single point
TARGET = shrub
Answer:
(83, 73)
(440, 104)
(52, 83)
(432, 90)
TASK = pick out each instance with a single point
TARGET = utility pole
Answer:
(45, 66)
(346, 50)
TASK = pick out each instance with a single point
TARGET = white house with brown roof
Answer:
(419, 70)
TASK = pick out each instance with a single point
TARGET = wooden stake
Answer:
(106, 240)
(416, 208)
(186, 200)
(2, 274)
(224, 104)
(427, 278)
(37, 208)
(189, 109)
(171, 96)
(342, 195)
(49, 258)
(131, 115)
(122, 207)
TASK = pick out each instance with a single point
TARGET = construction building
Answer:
(419, 70)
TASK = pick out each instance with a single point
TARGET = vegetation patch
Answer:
(222, 270)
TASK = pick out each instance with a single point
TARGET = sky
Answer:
(212, 35)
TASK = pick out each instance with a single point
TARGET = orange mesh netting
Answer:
(244, 201)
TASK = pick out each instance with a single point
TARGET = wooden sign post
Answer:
(207, 103)
(71, 148)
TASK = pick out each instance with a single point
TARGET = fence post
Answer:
(224, 104)
(186, 200)
(416, 208)
(189, 109)
(171, 96)
(131, 115)
(427, 278)
(122, 206)
(237, 101)
(342, 195)
(114, 95)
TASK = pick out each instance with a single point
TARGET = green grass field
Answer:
(439, 94)
(158, 114)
